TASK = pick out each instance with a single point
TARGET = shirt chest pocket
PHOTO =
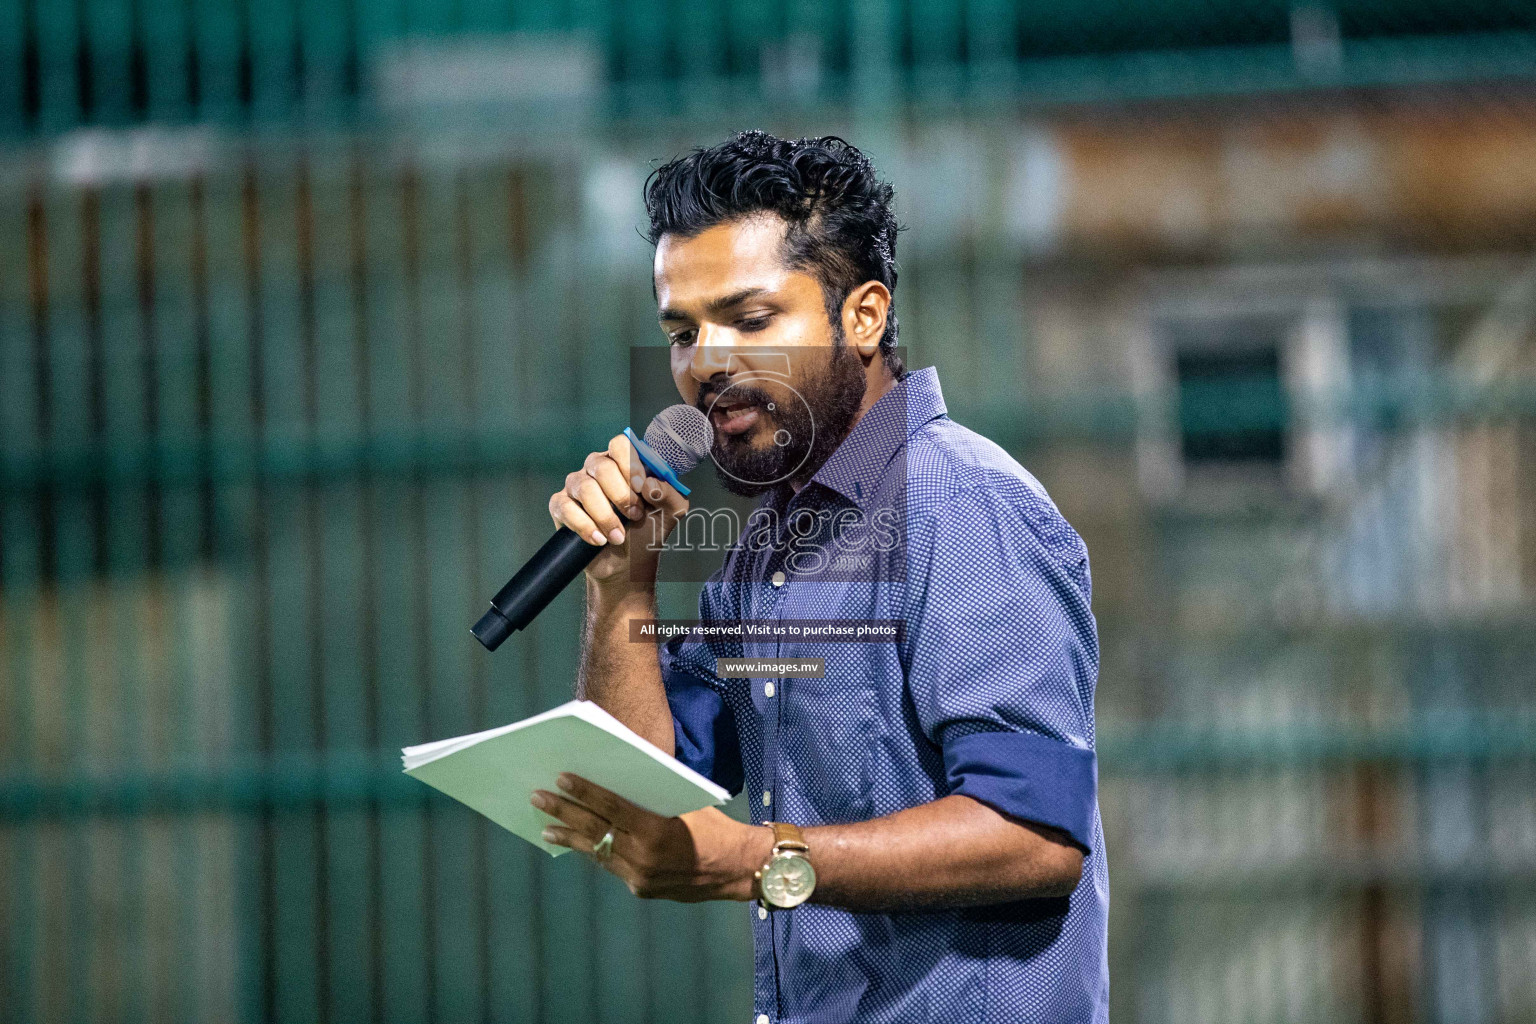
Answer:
(829, 727)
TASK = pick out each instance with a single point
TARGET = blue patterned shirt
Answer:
(987, 692)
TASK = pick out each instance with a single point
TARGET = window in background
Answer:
(1227, 381)
(1231, 406)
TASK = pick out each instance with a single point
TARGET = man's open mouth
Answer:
(731, 416)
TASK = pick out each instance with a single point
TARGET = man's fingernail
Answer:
(634, 512)
(548, 835)
(637, 481)
(564, 782)
(616, 535)
(598, 538)
(539, 800)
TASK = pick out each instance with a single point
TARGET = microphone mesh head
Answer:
(681, 435)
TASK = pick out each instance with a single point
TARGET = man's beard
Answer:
(815, 427)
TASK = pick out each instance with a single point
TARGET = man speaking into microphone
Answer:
(925, 841)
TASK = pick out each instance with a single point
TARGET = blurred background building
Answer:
(306, 307)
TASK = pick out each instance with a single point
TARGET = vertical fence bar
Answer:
(752, 27)
(814, 20)
(176, 371)
(272, 30)
(506, 510)
(108, 32)
(989, 36)
(164, 36)
(20, 587)
(375, 24)
(343, 601)
(228, 254)
(127, 512)
(872, 54)
(1001, 314)
(458, 878)
(642, 56)
(195, 847)
(707, 49)
(285, 394)
(324, 40)
(13, 43)
(70, 410)
(567, 895)
(404, 950)
(468, 246)
(215, 629)
(218, 38)
(56, 33)
(934, 28)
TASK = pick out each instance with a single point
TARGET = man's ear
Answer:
(864, 313)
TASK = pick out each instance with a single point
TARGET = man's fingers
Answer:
(615, 484)
(608, 805)
(595, 502)
(567, 837)
(654, 490)
(613, 863)
(627, 461)
(664, 496)
(572, 814)
(570, 838)
(567, 511)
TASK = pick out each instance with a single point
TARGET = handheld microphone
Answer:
(676, 440)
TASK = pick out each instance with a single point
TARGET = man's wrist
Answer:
(757, 849)
(619, 593)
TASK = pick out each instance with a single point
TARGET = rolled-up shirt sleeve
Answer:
(703, 724)
(1002, 658)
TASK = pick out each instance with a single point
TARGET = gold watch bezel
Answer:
(784, 850)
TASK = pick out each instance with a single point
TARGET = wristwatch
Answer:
(788, 879)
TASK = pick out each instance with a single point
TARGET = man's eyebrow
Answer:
(714, 306)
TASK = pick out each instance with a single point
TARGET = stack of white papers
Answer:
(496, 771)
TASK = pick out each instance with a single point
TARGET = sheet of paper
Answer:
(498, 770)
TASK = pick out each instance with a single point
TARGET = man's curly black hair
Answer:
(841, 228)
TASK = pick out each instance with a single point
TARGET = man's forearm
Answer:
(953, 852)
(623, 678)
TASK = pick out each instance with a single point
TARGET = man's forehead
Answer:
(720, 260)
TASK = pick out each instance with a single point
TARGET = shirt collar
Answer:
(856, 466)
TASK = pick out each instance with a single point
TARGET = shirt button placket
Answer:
(775, 596)
(770, 767)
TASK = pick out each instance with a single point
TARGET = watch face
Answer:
(788, 880)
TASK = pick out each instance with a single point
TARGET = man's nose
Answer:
(711, 354)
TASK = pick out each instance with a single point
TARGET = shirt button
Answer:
(762, 1018)
(767, 689)
(767, 798)
(778, 579)
(762, 912)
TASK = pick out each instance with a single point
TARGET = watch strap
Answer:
(787, 837)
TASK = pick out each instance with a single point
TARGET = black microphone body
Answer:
(542, 577)
(674, 443)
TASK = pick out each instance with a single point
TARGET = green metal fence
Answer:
(290, 363)
(275, 429)
(115, 62)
